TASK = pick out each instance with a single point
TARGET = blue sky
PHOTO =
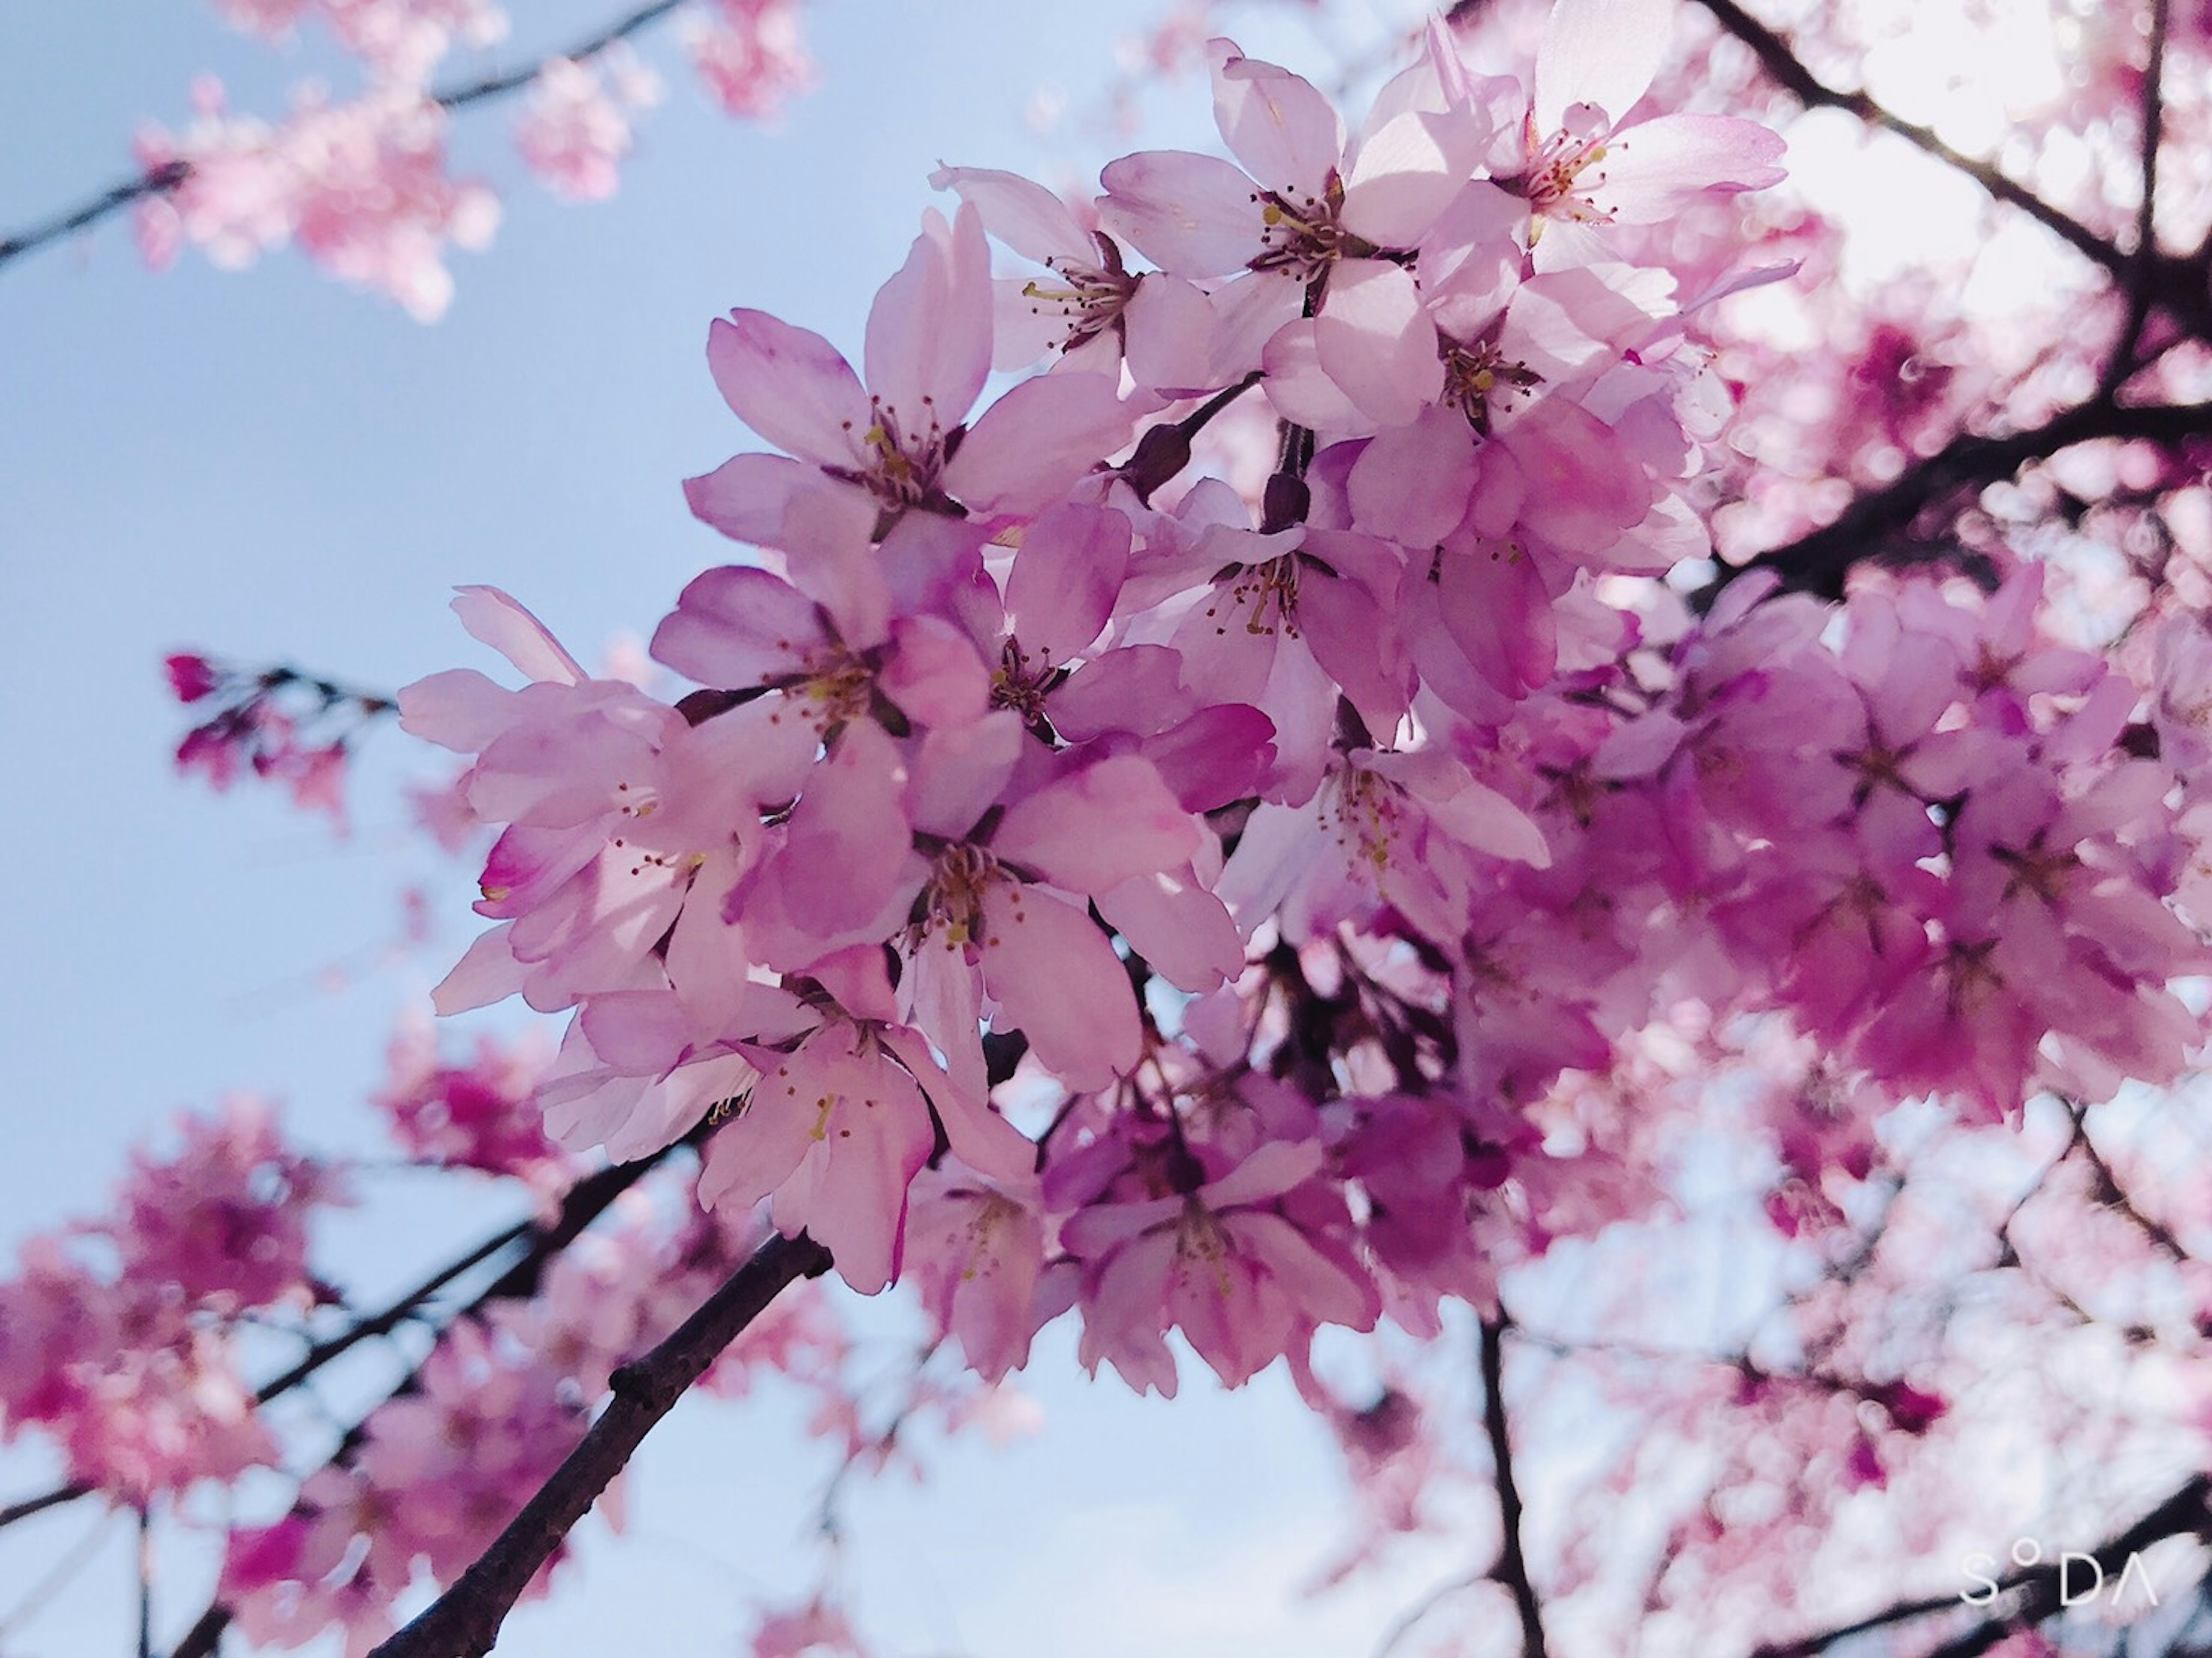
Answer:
(271, 465)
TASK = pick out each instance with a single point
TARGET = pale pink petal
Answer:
(1169, 325)
(1029, 447)
(1657, 167)
(979, 1136)
(1412, 482)
(1300, 389)
(1021, 212)
(748, 497)
(486, 973)
(1599, 51)
(1248, 315)
(961, 771)
(1182, 930)
(1107, 824)
(1375, 341)
(1218, 755)
(1059, 980)
(499, 622)
(1066, 579)
(929, 332)
(636, 1030)
(935, 676)
(848, 842)
(736, 627)
(458, 709)
(789, 384)
(1284, 131)
(1408, 171)
(1193, 215)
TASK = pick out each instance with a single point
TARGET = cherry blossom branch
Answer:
(171, 176)
(585, 1202)
(2183, 1514)
(1512, 1567)
(1819, 561)
(465, 1621)
(1782, 63)
(381, 1323)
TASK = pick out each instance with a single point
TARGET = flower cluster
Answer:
(277, 724)
(120, 1338)
(1290, 854)
(361, 185)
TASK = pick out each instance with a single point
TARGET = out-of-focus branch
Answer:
(2111, 1195)
(498, 85)
(159, 182)
(465, 1621)
(1512, 1567)
(2036, 1589)
(2143, 269)
(145, 1584)
(1820, 561)
(1781, 61)
(41, 1503)
(390, 1317)
(170, 176)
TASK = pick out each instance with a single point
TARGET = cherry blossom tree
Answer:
(1475, 744)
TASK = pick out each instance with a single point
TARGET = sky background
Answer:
(274, 466)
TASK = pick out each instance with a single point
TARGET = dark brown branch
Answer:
(1820, 561)
(383, 1322)
(1780, 61)
(171, 176)
(145, 1584)
(2182, 1514)
(465, 1621)
(2143, 268)
(159, 182)
(498, 85)
(42, 1502)
(1512, 1567)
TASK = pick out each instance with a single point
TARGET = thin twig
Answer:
(465, 1621)
(171, 176)
(1512, 1567)
(389, 1319)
